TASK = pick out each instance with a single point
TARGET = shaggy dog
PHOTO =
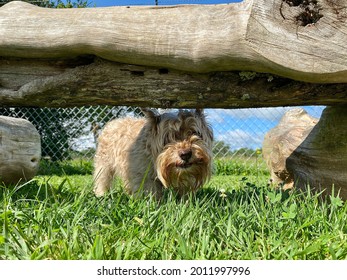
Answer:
(170, 150)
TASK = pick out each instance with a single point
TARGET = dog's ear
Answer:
(151, 114)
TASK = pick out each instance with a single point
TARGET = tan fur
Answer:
(160, 151)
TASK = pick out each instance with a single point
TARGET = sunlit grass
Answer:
(235, 216)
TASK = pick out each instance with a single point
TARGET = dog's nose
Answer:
(185, 154)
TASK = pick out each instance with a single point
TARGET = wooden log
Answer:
(304, 152)
(75, 57)
(257, 35)
(63, 83)
(281, 141)
(20, 150)
(320, 161)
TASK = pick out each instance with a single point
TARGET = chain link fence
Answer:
(72, 132)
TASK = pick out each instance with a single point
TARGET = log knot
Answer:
(307, 11)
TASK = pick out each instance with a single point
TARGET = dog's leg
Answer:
(102, 180)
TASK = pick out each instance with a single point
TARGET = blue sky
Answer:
(240, 127)
(246, 127)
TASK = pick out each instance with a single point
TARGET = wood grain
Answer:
(63, 83)
(256, 35)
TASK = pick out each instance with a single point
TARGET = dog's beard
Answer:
(184, 176)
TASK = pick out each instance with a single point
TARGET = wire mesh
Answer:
(72, 132)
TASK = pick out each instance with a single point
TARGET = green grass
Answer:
(235, 216)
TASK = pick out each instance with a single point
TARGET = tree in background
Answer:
(221, 149)
(58, 127)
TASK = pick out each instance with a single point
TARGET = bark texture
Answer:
(66, 83)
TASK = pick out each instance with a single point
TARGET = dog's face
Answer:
(181, 144)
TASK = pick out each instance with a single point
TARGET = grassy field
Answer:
(235, 216)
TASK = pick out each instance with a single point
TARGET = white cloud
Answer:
(270, 114)
(242, 128)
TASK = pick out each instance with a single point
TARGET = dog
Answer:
(160, 151)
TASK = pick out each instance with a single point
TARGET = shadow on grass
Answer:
(65, 191)
(71, 167)
(42, 191)
(249, 194)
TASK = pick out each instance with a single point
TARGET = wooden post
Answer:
(20, 150)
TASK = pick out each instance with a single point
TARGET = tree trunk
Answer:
(74, 57)
(20, 150)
